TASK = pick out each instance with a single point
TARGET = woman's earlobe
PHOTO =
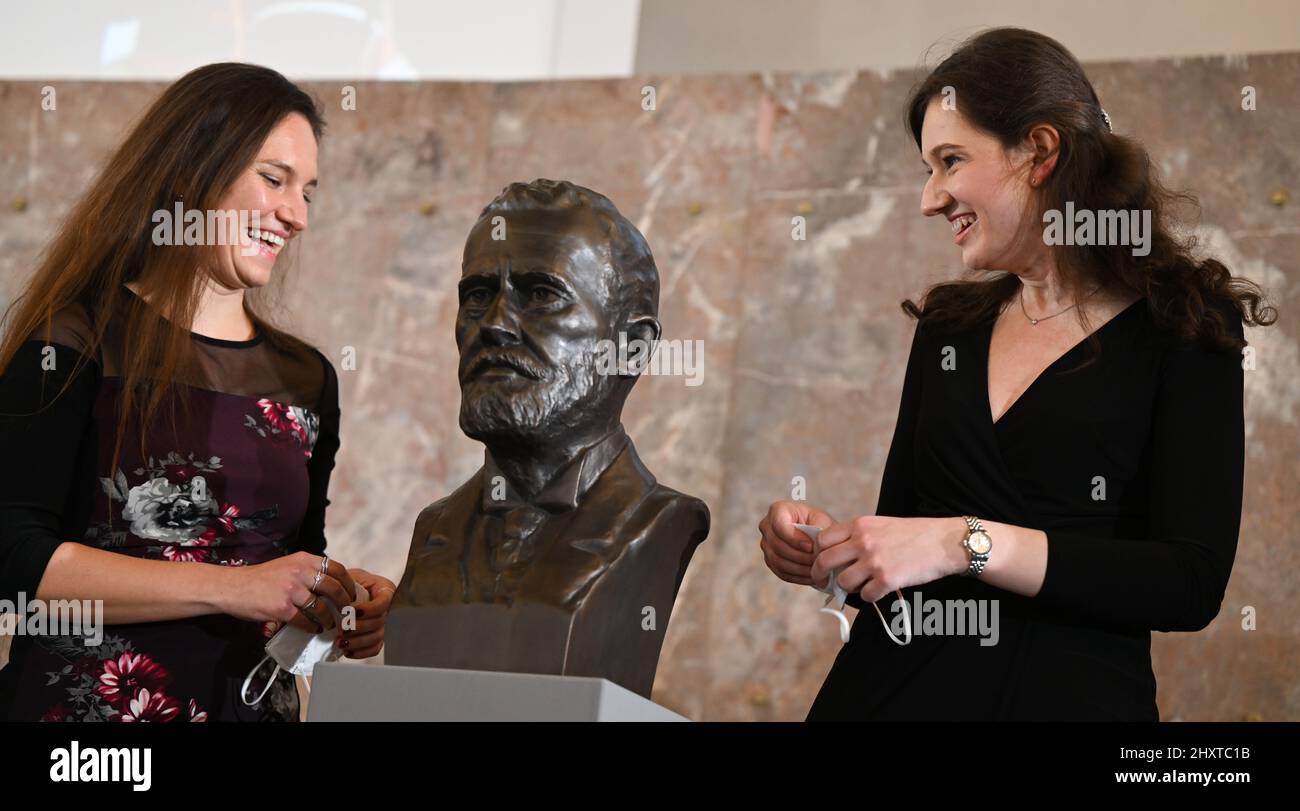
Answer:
(1043, 171)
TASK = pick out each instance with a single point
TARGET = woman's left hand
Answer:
(881, 554)
(367, 638)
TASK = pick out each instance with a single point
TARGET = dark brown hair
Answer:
(1006, 82)
(189, 146)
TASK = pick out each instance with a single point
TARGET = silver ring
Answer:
(316, 582)
(306, 611)
(324, 563)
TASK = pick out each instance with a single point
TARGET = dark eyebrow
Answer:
(934, 151)
(473, 280)
(536, 276)
(279, 164)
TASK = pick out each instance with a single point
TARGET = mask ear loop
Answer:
(243, 691)
(835, 593)
(844, 621)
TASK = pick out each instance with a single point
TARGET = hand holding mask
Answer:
(298, 651)
(836, 595)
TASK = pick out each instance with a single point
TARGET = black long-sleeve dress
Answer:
(241, 481)
(1133, 467)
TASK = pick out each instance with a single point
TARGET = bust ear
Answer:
(643, 328)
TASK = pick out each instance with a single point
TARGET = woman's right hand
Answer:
(275, 591)
(787, 551)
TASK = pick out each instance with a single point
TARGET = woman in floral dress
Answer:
(177, 473)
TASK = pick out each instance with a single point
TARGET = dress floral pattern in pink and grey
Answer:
(197, 502)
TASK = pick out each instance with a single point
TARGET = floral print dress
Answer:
(239, 482)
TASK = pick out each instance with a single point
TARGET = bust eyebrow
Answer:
(475, 280)
(536, 276)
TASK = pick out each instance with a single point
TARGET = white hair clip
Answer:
(1105, 115)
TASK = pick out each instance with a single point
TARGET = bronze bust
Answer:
(562, 554)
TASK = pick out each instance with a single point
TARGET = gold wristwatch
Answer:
(978, 544)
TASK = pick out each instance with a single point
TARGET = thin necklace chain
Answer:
(1035, 321)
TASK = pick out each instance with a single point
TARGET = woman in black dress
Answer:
(163, 447)
(1069, 452)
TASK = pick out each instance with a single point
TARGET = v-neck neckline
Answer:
(987, 343)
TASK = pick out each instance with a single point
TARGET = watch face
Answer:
(980, 543)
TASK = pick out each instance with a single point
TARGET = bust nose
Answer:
(500, 324)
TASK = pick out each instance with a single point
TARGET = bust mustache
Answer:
(512, 396)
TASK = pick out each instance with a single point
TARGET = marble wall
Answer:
(804, 341)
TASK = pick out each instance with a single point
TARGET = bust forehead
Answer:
(573, 244)
(539, 231)
(533, 249)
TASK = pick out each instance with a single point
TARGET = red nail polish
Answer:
(343, 643)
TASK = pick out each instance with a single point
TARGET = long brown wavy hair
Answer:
(189, 147)
(1009, 80)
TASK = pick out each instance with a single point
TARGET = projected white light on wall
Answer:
(355, 40)
(119, 41)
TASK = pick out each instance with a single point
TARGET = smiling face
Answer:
(276, 188)
(533, 307)
(982, 189)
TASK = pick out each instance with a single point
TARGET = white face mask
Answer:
(298, 651)
(837, 595)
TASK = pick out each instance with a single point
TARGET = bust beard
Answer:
(536, 412)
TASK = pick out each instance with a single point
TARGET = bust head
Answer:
(551, 270)
(545, 560)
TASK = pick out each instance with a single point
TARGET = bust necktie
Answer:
(514, 545)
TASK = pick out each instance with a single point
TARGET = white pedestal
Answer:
(348, 692)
